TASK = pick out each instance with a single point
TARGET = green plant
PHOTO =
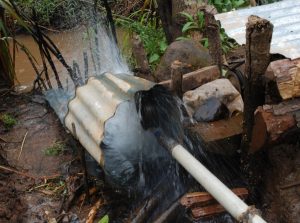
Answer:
(197, 23)
(7, 71)
(56, 149)
(105, 219)
(8, 121)
(193, 24)
(147, 26)
(228, 5)
(59, 13)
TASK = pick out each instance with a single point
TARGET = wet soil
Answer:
(35, 192)
(281, 194)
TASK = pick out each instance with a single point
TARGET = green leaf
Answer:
(187, 16)
(187, 26)
(181, 38)
(163, 46)
(154, 58)
(105, 219)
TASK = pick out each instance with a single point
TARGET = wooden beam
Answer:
(202, 204)
(196, 78)
(225, 128)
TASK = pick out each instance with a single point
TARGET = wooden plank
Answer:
(202, 204)
(212, 131)
(200, 198)
(196, 78)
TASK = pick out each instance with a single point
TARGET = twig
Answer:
(290, 185)
(17, 172)
(3, 139)
(93, 211)
(21, 149)
(86, 66)
(28, 175)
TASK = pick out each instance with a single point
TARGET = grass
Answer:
(57, 13)
(56, 149)
(8, 121)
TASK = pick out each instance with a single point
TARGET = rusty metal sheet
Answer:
(284, 15)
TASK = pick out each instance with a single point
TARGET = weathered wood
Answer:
(212, 29)
(258, 40)
(202, 204)
(283, 79)
(140, 54)
(196, 78)
(273, 122)
(176, 78)
(213, 131)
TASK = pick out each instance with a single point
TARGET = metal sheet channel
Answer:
(95, 103)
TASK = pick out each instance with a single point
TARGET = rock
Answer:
(211, 110)
(221, 89)
(186, 51)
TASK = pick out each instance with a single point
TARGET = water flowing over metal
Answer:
(284, 15)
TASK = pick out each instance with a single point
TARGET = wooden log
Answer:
(283, 80)
(196, 78)
(273, 123)
(258, 40)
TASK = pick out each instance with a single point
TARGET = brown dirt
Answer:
(23, 203)
(282, 185)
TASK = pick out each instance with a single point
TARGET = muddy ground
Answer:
(48, 174)
(42, 181)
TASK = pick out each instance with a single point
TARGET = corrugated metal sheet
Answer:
(95, 103)
(284, 15)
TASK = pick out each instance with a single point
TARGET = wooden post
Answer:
(176, 78)
(258, 40)
(212, 29)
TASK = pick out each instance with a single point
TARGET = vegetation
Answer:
(56, 149)
(228, 5)
(57, 13)
(52, 187)
(8, 121)
(7, 71)
(147, 26)
(105, 219)
(197, 23)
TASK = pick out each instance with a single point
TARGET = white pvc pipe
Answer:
(230, 201)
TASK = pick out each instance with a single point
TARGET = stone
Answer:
(185, 51)
(221, 89)
(211, 110)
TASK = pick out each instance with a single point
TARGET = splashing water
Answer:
(135, 161)
(104, 56)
